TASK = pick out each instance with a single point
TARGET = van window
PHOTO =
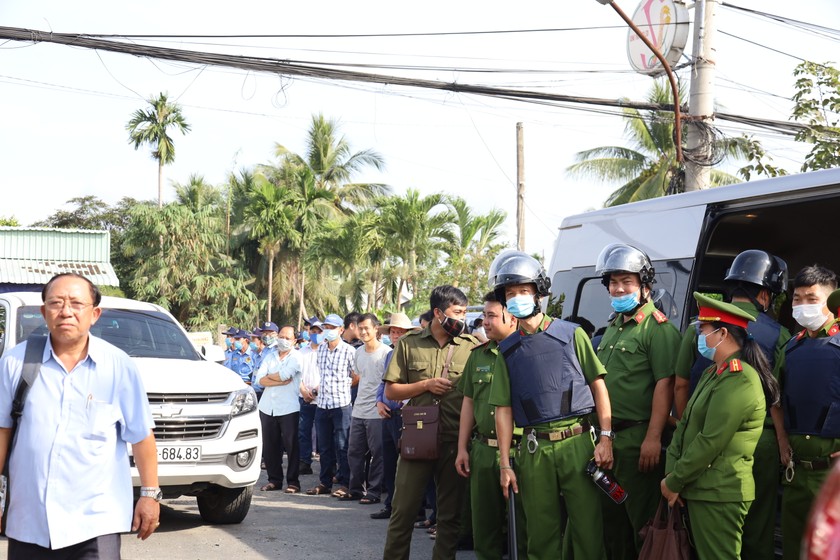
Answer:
(3, 315)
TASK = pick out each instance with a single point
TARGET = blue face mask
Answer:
(228, 343)
(521, 307)
(253, 346)
(304, 335)
(625, 303)
(331, 335)
(237, 344)
(315, 338)
(705, 351)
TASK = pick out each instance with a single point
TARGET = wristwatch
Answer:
(151, 492)
(609, 433)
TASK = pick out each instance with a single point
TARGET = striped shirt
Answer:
(336, 368)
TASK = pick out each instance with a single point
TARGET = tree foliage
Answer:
(817, 105)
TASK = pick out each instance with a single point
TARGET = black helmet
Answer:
(620, 257)
(759, 268)
(516, 267)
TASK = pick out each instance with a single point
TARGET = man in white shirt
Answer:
(309, 382)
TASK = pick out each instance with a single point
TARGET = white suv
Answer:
(206, 421)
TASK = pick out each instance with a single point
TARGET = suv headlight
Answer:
(244, 400)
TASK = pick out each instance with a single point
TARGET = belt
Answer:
(619, 425)
(820, 464)
(493, 442)
(560, 435)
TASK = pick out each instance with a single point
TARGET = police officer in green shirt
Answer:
(480, 462)
(808, 422)
(752, 282)
(710, 460)
(638, 350)
(415, 373)
(551, 383)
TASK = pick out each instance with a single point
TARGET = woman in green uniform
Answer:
(709, 462)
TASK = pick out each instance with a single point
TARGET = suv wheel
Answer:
(222, 506)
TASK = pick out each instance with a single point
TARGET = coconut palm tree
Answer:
(646, 168)
(475, 235)
(151, 126)
(197, 194)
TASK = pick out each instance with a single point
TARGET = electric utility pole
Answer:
(520, 187)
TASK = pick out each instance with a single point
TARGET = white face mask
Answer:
(810, 316)
(284, 345)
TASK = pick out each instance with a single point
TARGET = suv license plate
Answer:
(178, 454)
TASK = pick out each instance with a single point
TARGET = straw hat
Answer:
(399, 320)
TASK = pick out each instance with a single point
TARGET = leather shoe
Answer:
(304, 468)
(383, 513)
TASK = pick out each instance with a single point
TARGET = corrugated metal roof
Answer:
(33, 271)
(50, 244)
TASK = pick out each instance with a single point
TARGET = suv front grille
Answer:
(198, 428)
(187, 398)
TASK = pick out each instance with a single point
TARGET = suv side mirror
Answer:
(213, 353)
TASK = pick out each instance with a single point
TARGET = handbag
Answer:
(420, 439)
(665, 537)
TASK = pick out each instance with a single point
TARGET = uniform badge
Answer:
(640, 316)
(735, 365)
(659, 316)
(835, 328)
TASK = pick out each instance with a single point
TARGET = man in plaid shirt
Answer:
(332, 419)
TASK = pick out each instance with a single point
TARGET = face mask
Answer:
(625, 303)
(284, 345)
(810, 316)
(237, 345)
(705, 351)
(453, 327)
(331, 334)
(521, 307)
(305, 336)
(269, 340)
(228, 343)
(315, 338)
(253, 346)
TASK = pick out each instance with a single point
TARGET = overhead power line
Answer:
(326, 72)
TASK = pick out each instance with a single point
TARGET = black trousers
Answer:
(280, 433)
(104, 547)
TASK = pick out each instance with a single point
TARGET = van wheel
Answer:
(224, 506)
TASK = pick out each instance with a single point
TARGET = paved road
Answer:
(279, 526)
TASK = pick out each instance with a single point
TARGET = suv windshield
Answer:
(142, 334)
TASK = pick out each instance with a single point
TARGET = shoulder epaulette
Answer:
(835, 328)
(482, 345)
(735, 365)
(659, 316)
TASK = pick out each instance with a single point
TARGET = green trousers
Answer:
(759, 526)
(409, 489)
(558, 467)
(716, 528)
(489, 508)
(623, 522)
(799, 494)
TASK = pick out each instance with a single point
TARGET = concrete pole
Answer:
(520, 187)
(702, 93)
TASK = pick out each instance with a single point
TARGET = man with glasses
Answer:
(83, 408)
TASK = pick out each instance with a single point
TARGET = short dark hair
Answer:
(427, 316)
(351, 318)
(815, 274)
(374, 320)
(95, 294)
(444, 297)
(490, 297)
(584, 323)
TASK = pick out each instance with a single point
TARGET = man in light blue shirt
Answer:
(70, 467)
(280, 374)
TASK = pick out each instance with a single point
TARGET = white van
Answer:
(206, 423)
(691, 239)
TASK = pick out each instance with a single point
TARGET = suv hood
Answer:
(186, 376)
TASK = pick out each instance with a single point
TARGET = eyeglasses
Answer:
(56, 305)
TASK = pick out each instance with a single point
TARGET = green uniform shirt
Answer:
(711, 455)
(475, 382)
(688, 346)
(418, 356)
(592, 369)
(637, 354)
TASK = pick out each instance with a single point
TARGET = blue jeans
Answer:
(333, 427)
(307, 422)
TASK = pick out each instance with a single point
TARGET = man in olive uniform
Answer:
(415, 373)
(808, 422)
(478, 424)
(638, 350)
(551, 381)
(753, 282)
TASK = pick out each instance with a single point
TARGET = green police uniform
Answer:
(759, 526)
(489, 509)
(556, 467)
(799, 493)
(637, 354)
(418, 356)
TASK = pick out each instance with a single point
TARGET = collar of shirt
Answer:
(95, 351)
(542, 326)
(460, 339)
(641, 314)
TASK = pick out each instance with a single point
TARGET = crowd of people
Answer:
(714, 419)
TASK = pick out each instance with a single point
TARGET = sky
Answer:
(65, 108)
